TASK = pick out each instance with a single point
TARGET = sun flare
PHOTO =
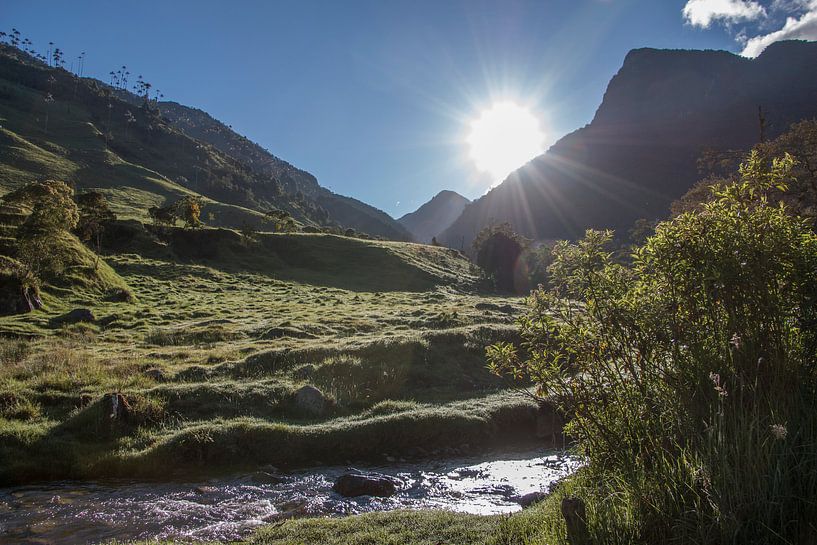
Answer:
(503, 138)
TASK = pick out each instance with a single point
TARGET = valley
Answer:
(611, 340)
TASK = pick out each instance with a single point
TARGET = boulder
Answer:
(526, 500)
(75, 316)
(120, 295)
(365, 484)
(575, 515)
(203, 490)
(311, 401)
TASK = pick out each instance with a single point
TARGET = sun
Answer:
(503, 138)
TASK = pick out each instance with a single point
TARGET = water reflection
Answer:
(224, 509)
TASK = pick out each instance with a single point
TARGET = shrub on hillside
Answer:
(689, 376)
(497, 249)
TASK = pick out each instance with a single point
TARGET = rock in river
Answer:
(526, 500)
(365, 484)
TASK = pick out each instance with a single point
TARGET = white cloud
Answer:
(702, 13)
(803, 27)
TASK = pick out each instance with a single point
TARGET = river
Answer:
(230, 508)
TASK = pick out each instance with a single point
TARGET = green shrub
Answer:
(688, 377)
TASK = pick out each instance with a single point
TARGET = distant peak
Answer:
(448, 194)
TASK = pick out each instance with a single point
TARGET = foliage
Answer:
(94, 214)
(187, 209)
(52, 211)
(800, 197)
(281, 221)
(538, 260)
(163, 216)
(688, 377)
(393, 528)
(248, 231)
(497, 249)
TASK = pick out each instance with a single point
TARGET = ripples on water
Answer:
(224, 509)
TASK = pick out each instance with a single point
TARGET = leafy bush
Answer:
(52, 211)
(497, 249)
(689, 376)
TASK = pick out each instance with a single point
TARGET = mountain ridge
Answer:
(659, 113)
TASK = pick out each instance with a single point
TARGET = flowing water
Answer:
(230, 508)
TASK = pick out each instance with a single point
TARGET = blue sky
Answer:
(375, 98)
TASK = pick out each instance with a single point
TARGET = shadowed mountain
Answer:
(435, 216)
(659, 113)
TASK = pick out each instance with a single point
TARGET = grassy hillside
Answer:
(221, 333)
(57, 125)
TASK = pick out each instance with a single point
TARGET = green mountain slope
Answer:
(54, 124)
(346, 211)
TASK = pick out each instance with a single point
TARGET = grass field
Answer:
(220, 332)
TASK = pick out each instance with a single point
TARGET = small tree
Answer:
(163, 216)
(281, 221)
(94, 214)
(497, 249)
(248, 232)
(188, 209)
(53, 212)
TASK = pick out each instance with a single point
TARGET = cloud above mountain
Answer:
(702, 13)
(755, 24)
(802, 27)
